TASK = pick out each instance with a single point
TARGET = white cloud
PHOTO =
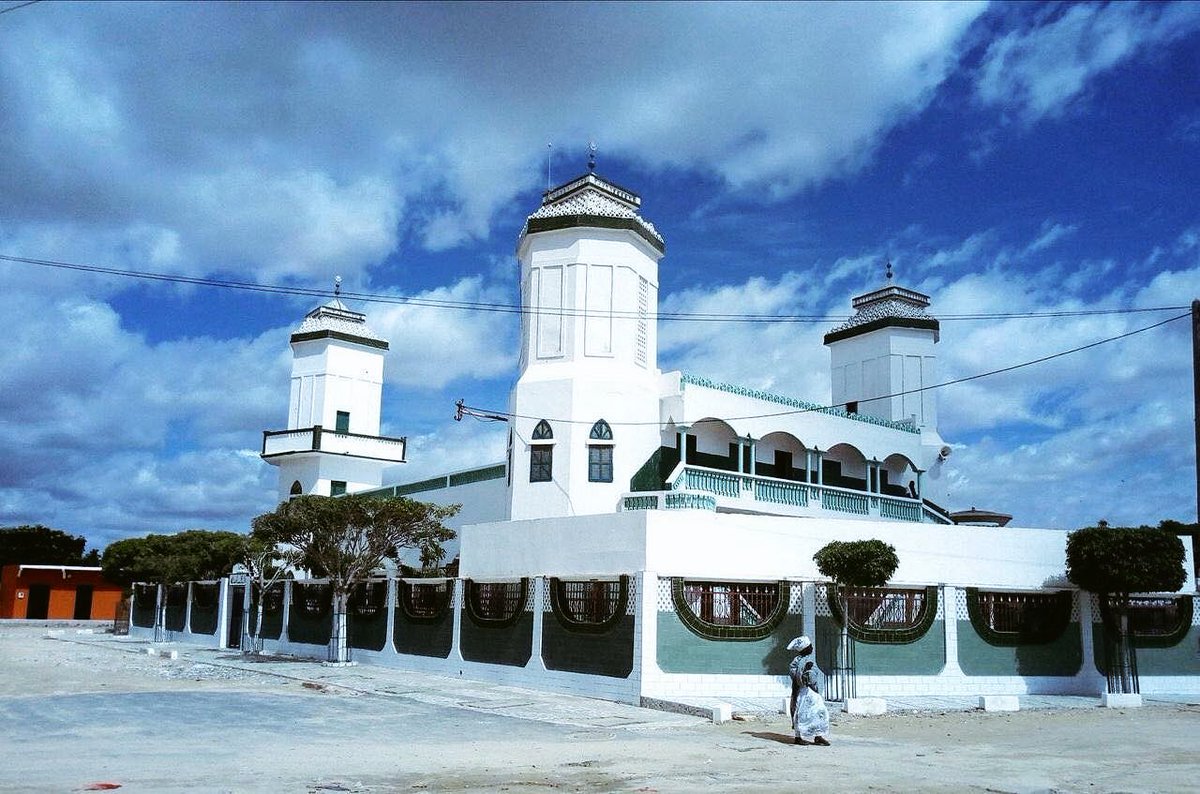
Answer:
(1039, 71)
(287, 140)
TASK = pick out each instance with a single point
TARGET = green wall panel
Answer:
(424, 638)
(926, 656)
(367, 633)
(1180, 659)
(609, 653)
(1062, 657)
(682, 651)
(509, 645)
(144, 604)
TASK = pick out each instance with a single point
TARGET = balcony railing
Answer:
(318, 439)
(752, 493)
(668, 500)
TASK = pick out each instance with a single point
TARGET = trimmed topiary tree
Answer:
(854, 563)
(1114, 562)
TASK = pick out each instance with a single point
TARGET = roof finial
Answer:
(337, 286)
(889, 271)
(591, 156)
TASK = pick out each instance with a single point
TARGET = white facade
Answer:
(589, 293)
(672, 484)
(332, 443)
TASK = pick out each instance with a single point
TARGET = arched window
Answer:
(541, 456)
(600, 453)
(297, 488)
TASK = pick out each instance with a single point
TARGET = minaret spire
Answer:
(591, 156)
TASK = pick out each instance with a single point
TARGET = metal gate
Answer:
(839, 669)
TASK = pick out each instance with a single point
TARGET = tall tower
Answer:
(585, 403)
(332, 443)
(882, 363)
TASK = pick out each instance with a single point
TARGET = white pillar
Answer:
(949, 596)
(539, 595)
(287, 611)
(460, 596)
(683, 444)
(391, 603)
(646, 656)
(187, 614)
(223, 612)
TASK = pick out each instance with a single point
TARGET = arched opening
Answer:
(898, 477)
(844, 467)
(297, 489)
(783, 456)
(600, 452)
(713, 444)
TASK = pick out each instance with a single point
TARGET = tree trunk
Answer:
(843, 654)
(1126, 666)
(256, 639)
(339, 644)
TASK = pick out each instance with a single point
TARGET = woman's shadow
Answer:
(772, 736)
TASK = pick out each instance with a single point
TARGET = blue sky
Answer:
(1016, 158)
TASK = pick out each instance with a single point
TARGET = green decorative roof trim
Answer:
(634, 225)
(309, 336)
(757, 394)
(477, 475)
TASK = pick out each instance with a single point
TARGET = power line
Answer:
(824, 408)
(18, 5)
(506, 308)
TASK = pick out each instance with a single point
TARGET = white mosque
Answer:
(650, 535)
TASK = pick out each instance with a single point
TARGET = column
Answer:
(645, 642)
(753, 444)
(539, 599)
(682, 443)
(949, 596)
(920, 490)
(391, 601)
(287, 611)
(817, 453)
(223, 612)
(808, 465)
(457, 604)
(187, 615)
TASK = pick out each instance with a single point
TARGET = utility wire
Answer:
(504, 308)
(821, 408)
(18, 5)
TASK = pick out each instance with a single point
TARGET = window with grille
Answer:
(600, 464)
(1154, 622)
(1018, 618)
(273, 601)
(541, 463)
(425, 600)
(589, 604)
(313, 600)
(496, 603)
(730, 610)
(880, 615)
(367, 599)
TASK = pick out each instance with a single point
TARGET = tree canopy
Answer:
(348, 538)
(1123, 560)
(192, 555)
(34, 544)
(857, 563)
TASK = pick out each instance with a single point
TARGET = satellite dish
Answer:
(944, 453)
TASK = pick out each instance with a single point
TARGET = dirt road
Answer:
(81, 710)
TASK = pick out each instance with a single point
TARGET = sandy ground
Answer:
(83, 711)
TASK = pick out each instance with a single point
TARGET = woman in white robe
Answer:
(810, 717)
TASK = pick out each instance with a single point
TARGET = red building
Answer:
(57, 592)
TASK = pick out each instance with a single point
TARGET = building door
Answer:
(83, 602)
(39, 602)
(237, 596)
